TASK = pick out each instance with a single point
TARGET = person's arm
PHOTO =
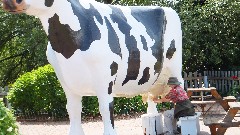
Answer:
(165, 100)
(157, 100)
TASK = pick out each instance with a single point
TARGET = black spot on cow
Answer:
(61, 37)
(111, 110)
(118, 17)
(144, 42)
(155, 127)
(89, 30)
(111, 105)
(66, 41)
(113, 40)
(110, 88)
(145, 76)
(155, 29)
(165, 24)
(134, 54)
(49, 3)
(133, 61)
(114, 68)
(171, 50)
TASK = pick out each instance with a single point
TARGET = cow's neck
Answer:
(64, 10)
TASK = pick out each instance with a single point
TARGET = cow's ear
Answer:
(49, 3)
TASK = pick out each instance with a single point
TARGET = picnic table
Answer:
(209, 100)
(219, 123)
(202, 100)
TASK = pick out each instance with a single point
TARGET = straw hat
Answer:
(173, 81)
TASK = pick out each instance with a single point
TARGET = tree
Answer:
(22, 46)
(107, 1)
(210, 35)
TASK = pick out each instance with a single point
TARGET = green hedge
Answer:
(40, 91)
(8, 124)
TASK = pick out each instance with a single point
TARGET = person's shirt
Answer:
(177, 94)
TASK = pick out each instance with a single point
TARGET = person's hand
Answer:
(157, 100)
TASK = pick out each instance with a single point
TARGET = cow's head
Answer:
(27, 6)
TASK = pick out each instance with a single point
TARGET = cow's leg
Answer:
(74, 108)
(106, 110)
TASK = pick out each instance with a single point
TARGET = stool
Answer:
(190, 124)
(152, 124)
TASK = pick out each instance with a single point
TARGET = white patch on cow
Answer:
(36, 7)
(86, 3)
(68, 12)
(44, 13)
(103, 10)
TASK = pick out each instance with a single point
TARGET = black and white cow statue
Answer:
(106, 51)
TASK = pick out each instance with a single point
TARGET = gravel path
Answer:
(130, 126)
(124, 125)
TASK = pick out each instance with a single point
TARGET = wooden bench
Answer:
(225, 101)
(203, 104)
(207, 97)
(218, 123)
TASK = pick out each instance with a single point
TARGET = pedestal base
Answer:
(152, 124)
(190, 125)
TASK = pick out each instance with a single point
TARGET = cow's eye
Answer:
(18, 1)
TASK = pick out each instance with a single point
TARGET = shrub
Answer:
(235, 89)
(8, 124)
(128, 105)
(40, 91)
(122, 105)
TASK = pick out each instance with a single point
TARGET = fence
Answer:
(222, 80)
(3, 94)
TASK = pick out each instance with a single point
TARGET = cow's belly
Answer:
(86, 75)
(73, 73)
(156, 85)
(132, 88)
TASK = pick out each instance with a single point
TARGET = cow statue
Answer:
(106, 51)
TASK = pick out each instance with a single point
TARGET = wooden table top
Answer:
(201, 89)
(203, 102)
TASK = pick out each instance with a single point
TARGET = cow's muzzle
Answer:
(14, 6)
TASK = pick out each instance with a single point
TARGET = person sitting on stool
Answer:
(183, 106)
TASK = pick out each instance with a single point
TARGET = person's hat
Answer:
(173, 81)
